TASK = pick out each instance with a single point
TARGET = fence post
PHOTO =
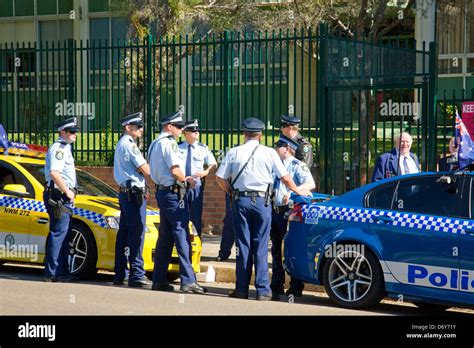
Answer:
(321, 106)
(432, 100)
(70, 59)
(226, 106)
(148, 96)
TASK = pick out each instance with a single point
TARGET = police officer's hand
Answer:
(201, 174)
(304, 192)
(190, 181)
(286, 198)
(70, 195)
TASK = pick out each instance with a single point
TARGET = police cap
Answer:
(290, 120)
(285, 141)
(69, 124)
(175, 118)
(133, 119)
(252, 125)
(191, 126)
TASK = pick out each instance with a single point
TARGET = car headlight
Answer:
(113, 222)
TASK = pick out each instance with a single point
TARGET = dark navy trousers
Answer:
(194, 198)
(278, 231)
(252, 222)
(130, 238)
(174, 229)
(57, 246)
(227, 239)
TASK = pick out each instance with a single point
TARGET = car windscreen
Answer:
(87, 184)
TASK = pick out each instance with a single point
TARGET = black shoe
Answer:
(235, 294)
(279, 291)
(193, 288)
(141, 283)
(275, 296)
(220, 259)
(162, 287)
(264, 297)
(294, 292)
(119, 282)
(50, 279)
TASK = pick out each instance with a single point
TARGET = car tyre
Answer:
(431, 308)
(82, 252)
(354, 278)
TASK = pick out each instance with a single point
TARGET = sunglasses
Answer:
(284, 125)
(193, 130)
(72, 132)
(177, 126)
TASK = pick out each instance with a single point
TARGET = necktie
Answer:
(405, 165)
(188, 162)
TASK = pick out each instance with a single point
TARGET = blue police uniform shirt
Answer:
(300, 174)
(59, 158)
(162, 155)
(126, 161)
(260, 171)
(201, 155)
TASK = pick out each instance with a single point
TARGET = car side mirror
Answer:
(15, 190)
(446, 180)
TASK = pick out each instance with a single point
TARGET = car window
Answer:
(430, 195)
(10, 175)
(381, 197)
(86, 184)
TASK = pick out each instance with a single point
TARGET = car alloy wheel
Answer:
(82, 256)
(353, 278)
(78, 251)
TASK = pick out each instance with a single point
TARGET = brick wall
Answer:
(214, 197)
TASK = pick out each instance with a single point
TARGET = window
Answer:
(10, 175)
(450, 27)
(6, 8)
(381, 197)
(24, 7)
(429, 195)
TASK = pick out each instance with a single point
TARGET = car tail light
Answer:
(296, 214)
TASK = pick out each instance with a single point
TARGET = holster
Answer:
(268, 196)
(180, 189)
(137, 194)
(57, 203)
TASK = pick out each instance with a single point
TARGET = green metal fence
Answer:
(335, 84)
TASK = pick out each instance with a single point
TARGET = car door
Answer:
(15, 218)
(419, 233)
(466, 245)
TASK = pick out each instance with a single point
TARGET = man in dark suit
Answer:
(399, 161)
(449, 163)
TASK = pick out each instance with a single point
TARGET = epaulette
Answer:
(201, 144)
(130, 140)
(170, 137)
(180, 142)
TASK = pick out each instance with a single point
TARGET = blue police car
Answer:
(409, 237)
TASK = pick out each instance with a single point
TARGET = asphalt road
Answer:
(23, 292)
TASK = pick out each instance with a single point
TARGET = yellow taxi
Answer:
(24, 224)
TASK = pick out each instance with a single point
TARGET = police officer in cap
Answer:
(130, 169)
(197, 155)
(58, 196)
(167, 170)
(299, 172)
(289, 128)
(250, 168)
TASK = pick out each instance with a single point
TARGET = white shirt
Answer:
(410, 162)
(163, 154)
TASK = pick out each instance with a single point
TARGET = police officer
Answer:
(129, 170)
(196, 155)
(167, 170)
(289, 128)
(227, 238)
(251, 167)
(299, 172)
(58, 196)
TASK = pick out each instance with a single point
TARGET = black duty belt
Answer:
(281, 209)
(126, 189)
(164, 187)
(251, 193)
(49, 189)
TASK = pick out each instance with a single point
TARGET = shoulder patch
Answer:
(304, 167)
(59, 155)
(174, 146)
(135, 149)
(305, 148)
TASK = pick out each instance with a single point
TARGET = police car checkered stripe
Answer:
(402, 219)
(38, 206)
